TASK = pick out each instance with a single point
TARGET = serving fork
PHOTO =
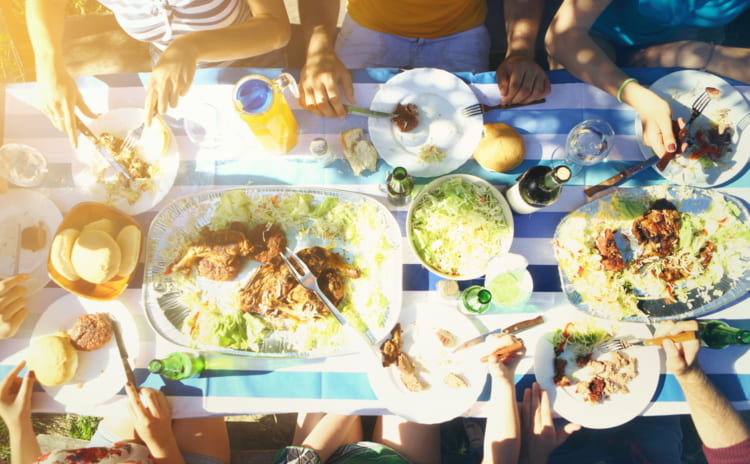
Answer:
(307, 279)
(481, 108)
(618, 344)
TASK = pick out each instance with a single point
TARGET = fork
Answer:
(308, 280)
(133, 137)
(699, 105)
(618, 344)
(480, 108)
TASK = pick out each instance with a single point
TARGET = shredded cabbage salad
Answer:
(458, 226)
(616, 294)
(356, 230)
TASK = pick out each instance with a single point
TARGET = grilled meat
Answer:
(391, 348)
(266, 241)
(274, 291)
(91, 332)
(607, 247)
(221, 247)
(658, 230)
(407, 117)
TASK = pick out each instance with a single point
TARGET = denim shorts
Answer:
(105, 437)
(358, 48)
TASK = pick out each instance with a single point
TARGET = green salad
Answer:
(458, 226)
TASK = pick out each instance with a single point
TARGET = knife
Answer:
(123, 352)
(515, 328)
(619, 177)
(102, 149)
(368, 113)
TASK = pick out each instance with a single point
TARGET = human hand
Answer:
(152, 417)
(539, 437)
(13, 309)
(505, 352)
(323, 81)
(59, 97)
(521, 80)
(170, 78)
(681, 357)
(15, 397)
(656, 118)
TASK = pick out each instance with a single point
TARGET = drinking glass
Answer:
(202, 125)
(22, 165)
(588, 143)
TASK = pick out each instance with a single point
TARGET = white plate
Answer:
(26, 208)
(680, 89)
(87, 161)
(439, 403)
(440, 96)
(100, 373)
(618, 408)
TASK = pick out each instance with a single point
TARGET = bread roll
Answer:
(104, 224)
(129, 241)
(53, 359)
(359, 151)
(501, 149)
(60, 251)
(96, 256)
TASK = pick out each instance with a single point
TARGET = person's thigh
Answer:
(358, 47)
(464, 51)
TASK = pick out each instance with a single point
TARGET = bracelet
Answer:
(622, 87)
(710, 55)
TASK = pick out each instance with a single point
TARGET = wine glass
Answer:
(22, 165)
(588, 143)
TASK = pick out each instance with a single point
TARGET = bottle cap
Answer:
(563, 173)
(155, 366)
(255, 95)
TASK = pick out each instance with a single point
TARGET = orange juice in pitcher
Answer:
(261, 104)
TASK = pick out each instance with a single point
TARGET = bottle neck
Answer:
(555, 178)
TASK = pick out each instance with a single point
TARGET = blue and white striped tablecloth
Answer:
(339, 384)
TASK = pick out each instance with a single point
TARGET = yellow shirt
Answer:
(429, 19)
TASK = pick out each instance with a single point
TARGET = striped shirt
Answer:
(160, 21)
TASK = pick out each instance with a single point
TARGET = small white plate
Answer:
(440, 97)
(439, 403)
(87, 162)
(26, 208)
(680, 89)
(618, 408)
(100, 373)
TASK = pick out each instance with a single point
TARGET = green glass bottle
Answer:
(718, 334)
(178, 366)
(399, 185)
(476, 299)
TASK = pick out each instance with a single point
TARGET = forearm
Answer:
(166, 451)
(45, 21)
(502, 436)
(319, 25)
(717, 422)
(522, 19)
(259, 35)
(24, 447)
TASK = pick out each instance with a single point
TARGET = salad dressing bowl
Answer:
(457, 224)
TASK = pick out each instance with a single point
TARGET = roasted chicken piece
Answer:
(391, 348)
(273, 290)
(658, 230)
(606, 245)
(266, 241)
(222, 249)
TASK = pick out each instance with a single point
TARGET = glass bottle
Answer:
(399, 185)
(536, 188)
(476, 299)
(718, 334)
(260, 102)
(178, 366)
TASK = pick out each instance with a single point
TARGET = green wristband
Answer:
(622, 87)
